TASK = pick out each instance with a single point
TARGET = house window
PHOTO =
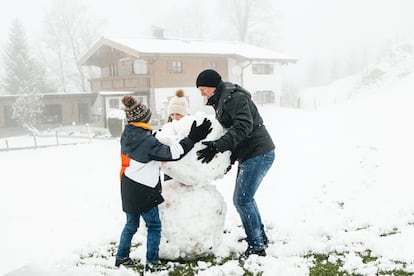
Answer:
(140, 67)
(114, 103)
(8, 120)
(212, 65)
(176, 66)
(113, 69)
(262, 68)
(264, 97)
(52, 113)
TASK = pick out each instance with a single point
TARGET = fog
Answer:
(321, 33)
(336, 157)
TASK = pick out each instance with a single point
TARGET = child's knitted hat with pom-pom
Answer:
(135, 111)
(178, 104)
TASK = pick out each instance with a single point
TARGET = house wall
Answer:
(5, 105)
(163, 77)
(264, 82)
(70, 109)
(2, 116)
(234, 71)
(257, 82)
(166, 83)
(125, 67)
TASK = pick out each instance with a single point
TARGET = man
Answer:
(249, 143)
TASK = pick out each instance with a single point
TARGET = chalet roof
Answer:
(143, 46)
(62, 95)
(115, 93)
(54, 95)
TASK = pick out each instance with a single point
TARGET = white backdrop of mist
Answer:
(331, 38)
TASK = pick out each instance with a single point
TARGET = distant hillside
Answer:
(395, 66)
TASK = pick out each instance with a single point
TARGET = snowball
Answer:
(189, 170)
(192, 220)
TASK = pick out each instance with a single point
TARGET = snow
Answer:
(176, 46)
(341, 182)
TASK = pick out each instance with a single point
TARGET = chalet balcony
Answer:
(135, 83)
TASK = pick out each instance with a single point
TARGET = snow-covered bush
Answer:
(116, 121)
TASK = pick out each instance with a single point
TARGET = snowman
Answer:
(193, 212)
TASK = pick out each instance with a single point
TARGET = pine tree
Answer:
(20, 68)
(24, 78)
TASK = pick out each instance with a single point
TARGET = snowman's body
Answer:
(193, 213)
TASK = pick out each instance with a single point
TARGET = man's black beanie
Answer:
(209, 78)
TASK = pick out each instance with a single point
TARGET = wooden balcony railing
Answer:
(137, 83)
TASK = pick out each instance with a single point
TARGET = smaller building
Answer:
(59, 109)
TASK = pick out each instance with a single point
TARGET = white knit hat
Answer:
(178, 104)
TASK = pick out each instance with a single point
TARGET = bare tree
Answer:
(56, 43)
(70, 34)
(193, 19)
(252, 20)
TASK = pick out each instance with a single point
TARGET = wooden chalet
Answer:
(153, 69)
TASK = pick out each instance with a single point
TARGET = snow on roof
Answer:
(176, 46)
(115, 93)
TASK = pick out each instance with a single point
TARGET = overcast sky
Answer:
(329, 24)
(335, 25)
(309, 28)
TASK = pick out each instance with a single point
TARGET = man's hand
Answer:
(207, 154)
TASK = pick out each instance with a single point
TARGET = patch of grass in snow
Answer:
(105, 257)
(392, 232)
(103, 253)
(324, 265)
(396, 273)
(366, 257)
(193, 267)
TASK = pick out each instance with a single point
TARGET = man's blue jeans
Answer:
(250, 174)
(153, 223)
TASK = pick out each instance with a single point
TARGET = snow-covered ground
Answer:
(342, 182)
